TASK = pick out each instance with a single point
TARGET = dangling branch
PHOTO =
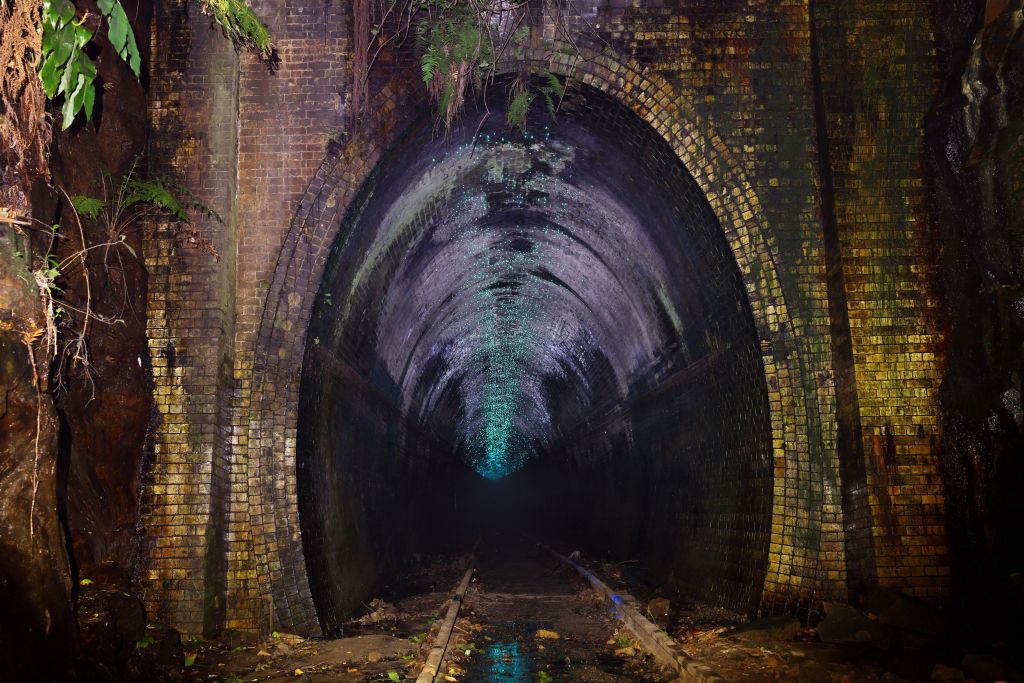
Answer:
(460, 45)
(36, 385)
(361, 68)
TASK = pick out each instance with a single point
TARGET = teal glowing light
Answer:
(506, 309)
(507, 664)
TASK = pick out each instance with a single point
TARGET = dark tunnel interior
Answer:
(541, 330)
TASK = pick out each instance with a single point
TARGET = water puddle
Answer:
(514, 655)
(507, 663)
(509, 657)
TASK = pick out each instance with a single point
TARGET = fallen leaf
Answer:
(544, 633)
(262, 653)
(299, 672)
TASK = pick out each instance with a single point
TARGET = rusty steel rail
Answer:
(654, 639)
(444, 635)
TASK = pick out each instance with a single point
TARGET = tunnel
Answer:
(542, 330)
(322, 360)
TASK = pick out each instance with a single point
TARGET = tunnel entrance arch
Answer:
(276, 549)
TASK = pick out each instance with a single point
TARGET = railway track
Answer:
(525, 613)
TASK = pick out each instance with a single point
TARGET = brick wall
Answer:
(730, 87)
(194, 108)
(877, 68)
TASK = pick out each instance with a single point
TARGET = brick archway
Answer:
(268, 548)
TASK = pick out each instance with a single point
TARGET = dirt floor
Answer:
(529, 618)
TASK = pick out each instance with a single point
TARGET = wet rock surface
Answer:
(37, 625)
(975, 150)
(71, 456)
(115, 642)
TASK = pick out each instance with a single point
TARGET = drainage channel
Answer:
(532, 617)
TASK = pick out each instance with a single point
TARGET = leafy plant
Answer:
(145, 641)
(518, 107)
(67, 72)
(129, 201)
(243, 28)
(553, 92)
(119, 33)
(453, 50)
(65, 69)
(461, 43)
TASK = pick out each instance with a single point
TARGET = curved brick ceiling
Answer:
(503, 292)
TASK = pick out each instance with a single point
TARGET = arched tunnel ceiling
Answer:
(502, 287)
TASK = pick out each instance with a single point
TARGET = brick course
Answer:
(730, 88)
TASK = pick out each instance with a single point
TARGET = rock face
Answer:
(35, 580)
(71, 454)
(976, 154)
(104, 420)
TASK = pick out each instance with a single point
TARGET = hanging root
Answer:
(39, 428)
(24, 129)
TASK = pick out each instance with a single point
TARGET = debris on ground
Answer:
(782, 627)
(659, 610)
(379, 612)
(847, 624)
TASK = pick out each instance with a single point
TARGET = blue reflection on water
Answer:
(507, 664)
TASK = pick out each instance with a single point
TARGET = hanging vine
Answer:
(460, 44)
(24, 129)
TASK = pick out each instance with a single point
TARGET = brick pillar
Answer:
(286, 119)
(194, 76)
(877, 79)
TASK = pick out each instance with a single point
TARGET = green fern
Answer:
(468, 41)
(89, 207)
(241, 25)
(550, 102)
(154, 193)
(554, 84)
(517, 110)
(444, 100)
(554, 89)
(430, 63)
